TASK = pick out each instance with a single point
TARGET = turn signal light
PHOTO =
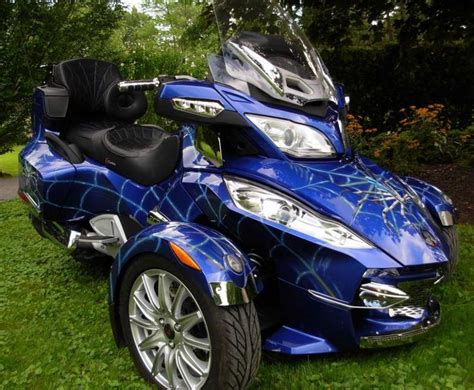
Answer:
(183, 257)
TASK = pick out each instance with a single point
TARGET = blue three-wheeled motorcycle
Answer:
(255, 226)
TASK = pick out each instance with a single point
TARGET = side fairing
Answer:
(299, 262)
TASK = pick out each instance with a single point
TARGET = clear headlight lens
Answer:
(273, 206)
(294, 139)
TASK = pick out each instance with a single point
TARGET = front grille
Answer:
(407, 311)
(418, 290)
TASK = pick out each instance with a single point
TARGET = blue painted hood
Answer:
(360, 194)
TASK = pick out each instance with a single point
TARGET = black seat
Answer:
(146, 154)
(100, 123)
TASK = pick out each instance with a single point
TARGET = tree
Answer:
(38, 32)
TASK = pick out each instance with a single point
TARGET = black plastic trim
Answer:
(69, 152)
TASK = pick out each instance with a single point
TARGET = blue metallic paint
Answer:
(352, 190)
(206, 247)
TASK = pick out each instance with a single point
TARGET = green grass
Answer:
(55, 332)
(9, 162)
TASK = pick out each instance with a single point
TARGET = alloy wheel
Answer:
(169, 330)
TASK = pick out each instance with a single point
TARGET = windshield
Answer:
(262, 46)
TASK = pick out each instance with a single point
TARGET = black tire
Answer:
(452, 238)
(234, 330)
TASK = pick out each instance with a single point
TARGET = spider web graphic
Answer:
(398, 208)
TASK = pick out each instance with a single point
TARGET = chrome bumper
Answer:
(400, 338)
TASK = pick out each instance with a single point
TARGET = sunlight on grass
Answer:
(9, 162)
(55, 332)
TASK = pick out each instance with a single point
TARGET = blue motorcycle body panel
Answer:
(377, 205)
(207, 248)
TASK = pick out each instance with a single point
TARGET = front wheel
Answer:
(178, 337)
(452, 239)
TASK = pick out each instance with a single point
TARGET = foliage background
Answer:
(388, 54)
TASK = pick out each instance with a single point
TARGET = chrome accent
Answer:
(339, 303)
(138, 85)
(73, 238)
(169, 330)
(382, 292)
(33, 203)
(227, 293)
(205, 108)
(400, 338)
(407, 311)
(110, 228)
(446, 218)
(155, 216)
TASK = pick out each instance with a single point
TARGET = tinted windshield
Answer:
(263, 46)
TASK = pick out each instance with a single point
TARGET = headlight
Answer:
(294, 139)
(273, 206)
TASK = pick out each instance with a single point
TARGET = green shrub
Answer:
(421, 135)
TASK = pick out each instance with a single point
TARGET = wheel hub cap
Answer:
(169, 332)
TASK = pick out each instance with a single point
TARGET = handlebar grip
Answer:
(138, 85)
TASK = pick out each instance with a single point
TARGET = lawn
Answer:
(9, 162)
(55, 333)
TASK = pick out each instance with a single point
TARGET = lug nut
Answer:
(161, 321)
(171, 344)
(177, 327)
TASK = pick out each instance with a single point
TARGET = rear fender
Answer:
(206, 247)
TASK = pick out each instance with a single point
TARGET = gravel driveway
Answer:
(8, 188)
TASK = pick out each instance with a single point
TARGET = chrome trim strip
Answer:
(382, 291)
(336, 302)
(446, 218)
(155, 216)
(33, 203)
(399, 338)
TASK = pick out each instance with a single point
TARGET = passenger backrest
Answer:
(91, 87)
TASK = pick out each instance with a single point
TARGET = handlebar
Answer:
(139, 85)
(149, 84)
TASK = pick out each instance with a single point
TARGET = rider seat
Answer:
(100, 123)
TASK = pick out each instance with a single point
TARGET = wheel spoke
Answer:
(192, 361)
(170, 365)
(152, 341)
(163, 294)
(158, 361)
(195, 342)
(180, 363)
(178, 299)
(145, 307)
(149, 285)
(142, 323)
(189, 320)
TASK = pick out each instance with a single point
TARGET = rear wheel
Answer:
(176, 334)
